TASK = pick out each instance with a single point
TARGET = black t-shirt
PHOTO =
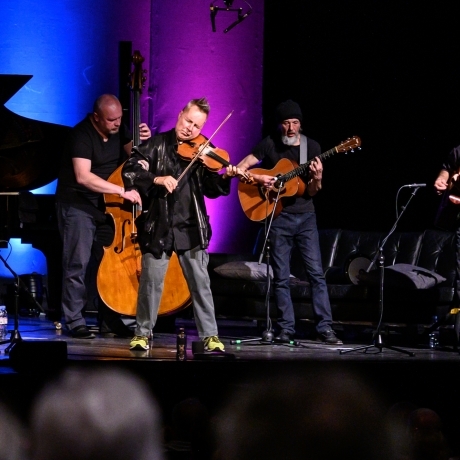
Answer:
(270, 150)
(452, 163)
(85, 142)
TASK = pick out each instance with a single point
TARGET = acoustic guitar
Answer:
(258, 202)
(453, 188)
(448, 214)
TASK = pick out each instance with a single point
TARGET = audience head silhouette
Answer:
(320, 416)
(102, 414)
(426, 438)
(13, 445)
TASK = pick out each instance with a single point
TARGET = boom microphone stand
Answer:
(378, 340)
(267, 337)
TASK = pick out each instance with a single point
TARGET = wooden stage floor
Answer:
(163, 346)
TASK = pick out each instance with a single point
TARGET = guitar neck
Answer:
(304, 167)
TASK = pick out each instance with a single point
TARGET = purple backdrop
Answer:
(188, 60)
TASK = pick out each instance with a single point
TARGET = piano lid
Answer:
(10, 85)
(30, 150)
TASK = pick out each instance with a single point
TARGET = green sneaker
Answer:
(213, 344)
(139, 342)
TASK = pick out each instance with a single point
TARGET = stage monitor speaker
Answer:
(38, 355)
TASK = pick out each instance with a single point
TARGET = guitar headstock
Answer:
(350, 144)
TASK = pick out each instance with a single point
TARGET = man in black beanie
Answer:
(296, 223)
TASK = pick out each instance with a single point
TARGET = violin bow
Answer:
(202, 147)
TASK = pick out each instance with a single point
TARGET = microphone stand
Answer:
(268, 336)
(378, 340)
(15, 335)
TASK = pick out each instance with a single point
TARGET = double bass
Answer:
(120, 268)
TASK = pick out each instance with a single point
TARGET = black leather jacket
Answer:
(154, 223)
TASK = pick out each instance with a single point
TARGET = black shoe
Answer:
(329, 337)
(82, 332)
(120, 330)
(111, 324)
(284, 336)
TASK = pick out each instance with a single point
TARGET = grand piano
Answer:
(30, 153)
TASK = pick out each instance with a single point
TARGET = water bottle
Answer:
(181, 345)
(3, 322)
(433, 338)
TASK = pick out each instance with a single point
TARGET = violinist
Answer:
(96, 147)
(174, 218)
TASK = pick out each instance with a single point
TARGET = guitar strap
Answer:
(303, 149)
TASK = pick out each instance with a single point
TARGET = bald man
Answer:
(96, 147)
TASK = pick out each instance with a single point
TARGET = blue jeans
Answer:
(300, 230)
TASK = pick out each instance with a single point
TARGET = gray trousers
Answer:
(194, 264)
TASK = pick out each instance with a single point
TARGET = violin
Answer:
(213, 158)
(200, 149)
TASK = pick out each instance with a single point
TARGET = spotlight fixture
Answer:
(228, 7)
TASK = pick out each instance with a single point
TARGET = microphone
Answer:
(241, 18)
(414, 185)
(228, 8)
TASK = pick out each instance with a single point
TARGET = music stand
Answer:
(15, 336)
(377, 339)
(267, 337)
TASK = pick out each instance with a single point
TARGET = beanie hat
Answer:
(288, 109)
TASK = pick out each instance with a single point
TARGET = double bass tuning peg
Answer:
(138, 76)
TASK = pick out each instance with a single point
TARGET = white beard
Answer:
(289, 140)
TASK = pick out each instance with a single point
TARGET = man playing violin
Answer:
(96, 147)
(296, 224)
(174, 218)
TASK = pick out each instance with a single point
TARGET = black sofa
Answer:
(243, 294)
